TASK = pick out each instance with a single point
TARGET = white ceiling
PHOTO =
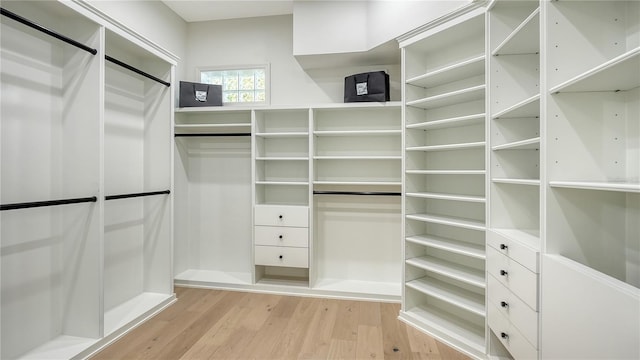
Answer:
(204, 10)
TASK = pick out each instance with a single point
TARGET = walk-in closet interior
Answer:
(495, 196)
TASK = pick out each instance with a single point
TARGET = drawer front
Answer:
(516, 250)
(282, 236)
(510, 337)
(282, 215)
(515, 277)
(282, 256)
(515, 310)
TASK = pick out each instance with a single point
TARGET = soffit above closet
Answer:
(192, 11)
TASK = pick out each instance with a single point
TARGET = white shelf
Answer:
(365, 183)
(525, 39)
(452, 197)
(631, 187)
(62, 347)
(527, 108)
(359, 287)
(283, 135)
(619, 73)
(294, 183)
(451, 270)
(123, 314)
(529, 237)
(449, 220)
(213, 109)
(282, 158)
(528, 182)
(356, 132)
(527, 144)
(464, 299)
(450, 98)
(449, 123)
(446, 172)
(453, 326)
(212, 276)
(450, 245)
(363, 157)
(460, 70)
(208, 128)
(445, 147)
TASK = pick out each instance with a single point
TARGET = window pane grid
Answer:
(243, 85)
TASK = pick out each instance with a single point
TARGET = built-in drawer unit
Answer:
(516, 311)
(282, 215)
(282, 236)
(525, 255)
(512, 339)
(515, 277)
(282, 256)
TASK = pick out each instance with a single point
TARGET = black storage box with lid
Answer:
(197, 94)
(370, 86)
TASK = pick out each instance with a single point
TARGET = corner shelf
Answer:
(451, 197)
(459, 70)
(527, 144)
(528, 182)
(451, 98)
(450, 245)
(525, 39)
(527, 108)
(449, 123)
(449, 269)
(471, 145)
(461, 298)
(449, 220)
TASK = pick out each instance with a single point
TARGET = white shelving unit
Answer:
(357, 156)
(212, 175)
(444, 181)
(515, 137)
(68, 116)
(592, 234)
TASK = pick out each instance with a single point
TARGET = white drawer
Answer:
(277, 215)
(517, 278)
(282, 256)
(514, 249)
(515, 310)
(282, 236)
(510, 337)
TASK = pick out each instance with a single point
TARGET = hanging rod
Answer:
(364, 193)
(43, 29)
(34, 204)
(137, 71)
(212, 134)
(125, 196)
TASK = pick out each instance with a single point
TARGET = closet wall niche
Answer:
(80, 267)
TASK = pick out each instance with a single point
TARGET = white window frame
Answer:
(267, 81)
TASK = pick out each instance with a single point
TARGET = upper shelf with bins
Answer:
(358, 145)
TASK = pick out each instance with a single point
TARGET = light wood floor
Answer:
(215, 324)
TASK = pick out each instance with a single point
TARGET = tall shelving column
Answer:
(513, 237)
(50, 124)
(281, 197)
(444, 181)
(357, 161)
(212, 175)
(593, 192)
(138, 230)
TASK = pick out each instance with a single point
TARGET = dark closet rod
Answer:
(125, 196)
(43, 29)
(364, 193)
(137, 71)
(34, 204)
(213, 134)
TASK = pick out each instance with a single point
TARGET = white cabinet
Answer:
(444, 181)
(593, 170)
(84, 256)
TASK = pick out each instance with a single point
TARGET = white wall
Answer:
(269, 40)
(322, 27)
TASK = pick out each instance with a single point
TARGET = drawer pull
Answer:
(503, 247)
(280, 217)
(504, 304)
(504, 272)
(280, 257)
(504, 335)
(280, 237)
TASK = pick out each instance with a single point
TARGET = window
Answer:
(239, 85)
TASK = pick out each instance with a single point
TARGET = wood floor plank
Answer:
(217, 324)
